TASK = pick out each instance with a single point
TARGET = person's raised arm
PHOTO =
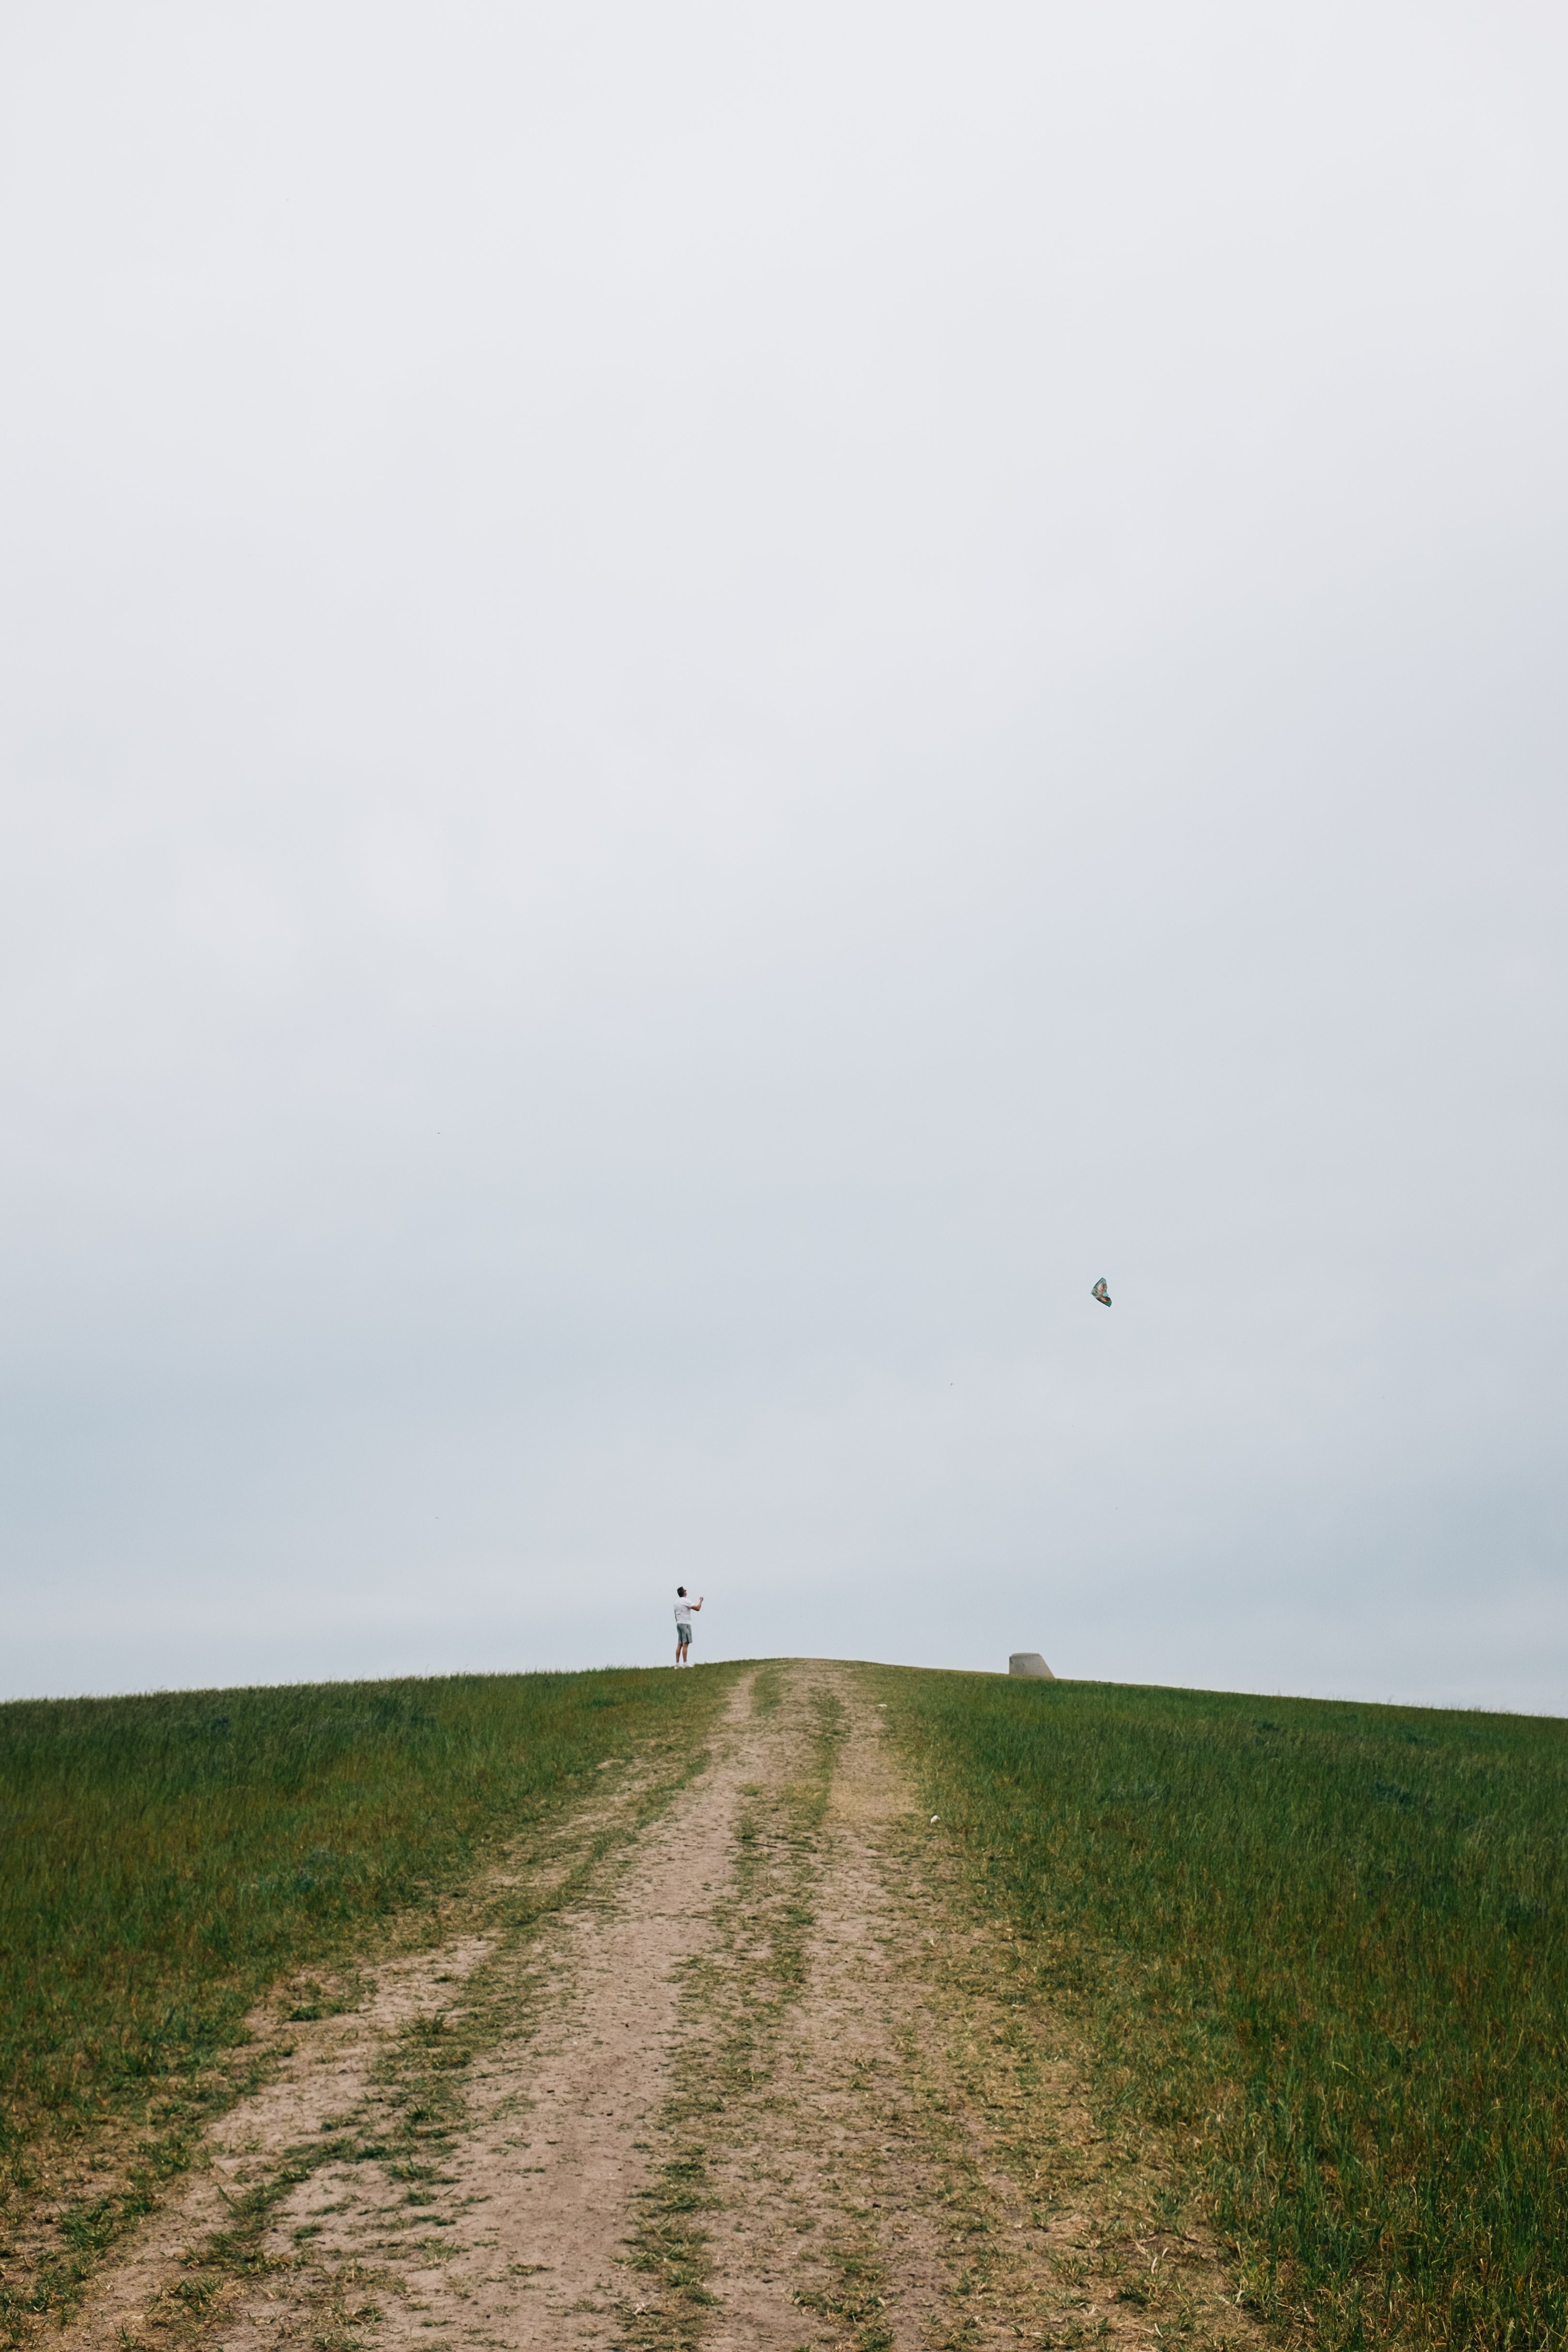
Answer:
(696, 1604)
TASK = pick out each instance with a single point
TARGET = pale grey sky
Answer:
(700, 704)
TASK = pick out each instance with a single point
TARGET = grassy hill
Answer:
(1323, 1948)
(1319, 1948)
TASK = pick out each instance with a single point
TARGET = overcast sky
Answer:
(702, 702)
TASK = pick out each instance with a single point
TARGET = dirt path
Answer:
(764, 2083)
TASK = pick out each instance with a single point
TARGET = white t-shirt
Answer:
(683, 1612)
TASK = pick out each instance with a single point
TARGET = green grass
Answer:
(1322, 1949)
(169, 1857)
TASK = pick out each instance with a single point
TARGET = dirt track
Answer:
(764, 2083)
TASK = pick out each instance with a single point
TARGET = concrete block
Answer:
(1030, 1663)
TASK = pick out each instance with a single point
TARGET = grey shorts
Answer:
(682, 1635)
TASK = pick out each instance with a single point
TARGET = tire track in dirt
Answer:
(903, 2155)
(534, 2193)
(823, 2238)
(324, 2070)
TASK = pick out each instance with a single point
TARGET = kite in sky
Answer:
(1100, 1292)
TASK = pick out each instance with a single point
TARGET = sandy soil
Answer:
(764, 2083)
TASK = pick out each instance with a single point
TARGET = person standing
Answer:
(683, 1615)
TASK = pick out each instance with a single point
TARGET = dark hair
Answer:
(680, 1591)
